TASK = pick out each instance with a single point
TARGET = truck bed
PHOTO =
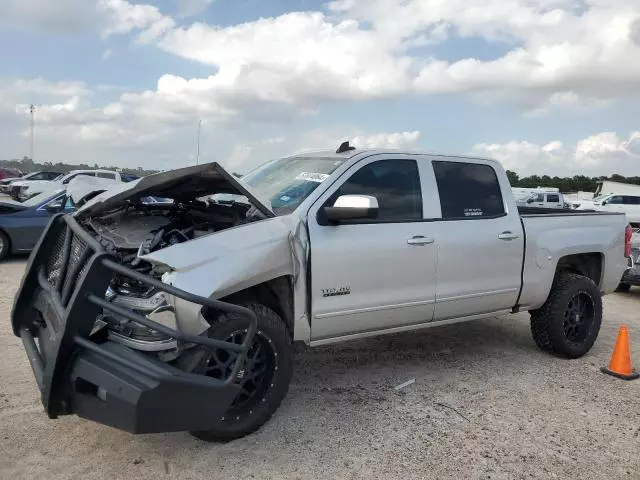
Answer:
(551, 234)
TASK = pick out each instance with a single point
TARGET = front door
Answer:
(377, 274)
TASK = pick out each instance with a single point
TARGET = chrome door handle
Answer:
(508, 236)
(419, 240)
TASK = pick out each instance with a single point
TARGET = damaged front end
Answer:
(132, 224)
(121, 357)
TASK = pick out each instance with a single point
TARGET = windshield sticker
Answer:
(472, 212)
(285, 198)
(312, 177)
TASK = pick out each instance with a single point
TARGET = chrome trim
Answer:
(474, 295)
(373, 309)
(406, 328)
(143, 345)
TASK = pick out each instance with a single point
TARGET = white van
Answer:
(627, 204)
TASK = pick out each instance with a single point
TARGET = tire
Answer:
(567, 325)
(5, 245)
(623, 287)
(249, 413)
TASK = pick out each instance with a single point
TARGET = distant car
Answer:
(5, 185)
(21, 224)
(9, 173)
(22, 190)
(127, 177)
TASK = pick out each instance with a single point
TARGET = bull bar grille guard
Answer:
(54, 312)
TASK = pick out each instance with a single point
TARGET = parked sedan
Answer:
(9, 173)
(21, 224)
(5, 184)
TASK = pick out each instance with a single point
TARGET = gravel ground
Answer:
(485, 404)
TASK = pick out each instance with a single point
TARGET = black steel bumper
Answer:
(61, 295)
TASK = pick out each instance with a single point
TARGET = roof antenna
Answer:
(345, 147)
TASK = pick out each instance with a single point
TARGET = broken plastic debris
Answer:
(405, 384)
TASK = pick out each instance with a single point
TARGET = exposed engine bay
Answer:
(135, 229)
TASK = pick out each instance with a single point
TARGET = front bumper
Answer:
(60, 297)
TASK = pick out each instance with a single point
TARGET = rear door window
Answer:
(553, 198)
(468, 190)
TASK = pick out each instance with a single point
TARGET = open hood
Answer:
(183, 184)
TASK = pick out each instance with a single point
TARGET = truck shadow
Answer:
(463, 342)
(357, 377)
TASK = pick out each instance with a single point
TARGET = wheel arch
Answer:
(588, 264)
(276, 294)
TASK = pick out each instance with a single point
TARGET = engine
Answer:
(134, 230)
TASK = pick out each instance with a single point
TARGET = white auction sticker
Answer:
(312, 177)
(472, 212)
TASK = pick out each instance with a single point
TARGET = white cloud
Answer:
(388, 140)
(121, 17)
(246, 156)
(560, 55)
(601, 154)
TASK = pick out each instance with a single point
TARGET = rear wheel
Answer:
(568, 323)
(4, 245)
(264, 380)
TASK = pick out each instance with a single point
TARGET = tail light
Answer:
(627, 241)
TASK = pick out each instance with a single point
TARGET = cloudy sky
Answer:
(545, 86)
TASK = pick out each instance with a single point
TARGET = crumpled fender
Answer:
(229, 261)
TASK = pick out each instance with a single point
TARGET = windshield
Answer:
(41, 197)
(59, 177)
(599, 198)
(286, 182)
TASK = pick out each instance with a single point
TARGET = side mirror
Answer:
(529, 200)
(352, 207)
(54, 207)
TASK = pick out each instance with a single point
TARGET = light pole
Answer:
(198, 144)
(32, 111)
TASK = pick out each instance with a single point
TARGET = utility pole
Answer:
(198, 144)
(32, 111)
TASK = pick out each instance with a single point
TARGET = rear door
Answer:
(375, 274)
(480, 242)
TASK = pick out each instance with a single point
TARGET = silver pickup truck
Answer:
(182, 316)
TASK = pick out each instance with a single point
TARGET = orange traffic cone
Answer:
(620, 364)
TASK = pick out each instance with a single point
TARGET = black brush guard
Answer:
(60, 297)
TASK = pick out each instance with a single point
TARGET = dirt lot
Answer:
(486, 404)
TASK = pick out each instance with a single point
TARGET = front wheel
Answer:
(264, 380)
(4, 245)
(568, 323)
(623, 287)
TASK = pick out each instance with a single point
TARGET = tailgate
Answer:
(61, 295)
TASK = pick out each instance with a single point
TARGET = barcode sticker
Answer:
(312, 177)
